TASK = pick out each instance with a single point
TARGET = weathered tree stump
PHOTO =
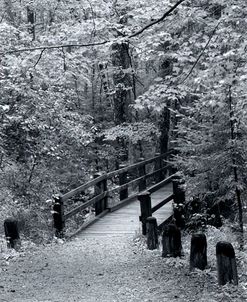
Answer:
(11, 232)
(171, 241)
(152, 233)
(198, 251)
(226, 263)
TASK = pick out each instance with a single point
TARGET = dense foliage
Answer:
(69, 110)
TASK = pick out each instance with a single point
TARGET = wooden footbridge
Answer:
(122, 199)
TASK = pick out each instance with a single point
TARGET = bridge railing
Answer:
(177, 195)
(101, 191)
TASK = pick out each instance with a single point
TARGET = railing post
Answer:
(179, 202)
(171, 241)
(142, 172)
(226, 263)
(178, 191)
(157, 166)
(99, 188)
(11, 232)
(123, 179)
(152, 233)
(198, 251)
(58, 216)
(146, 209)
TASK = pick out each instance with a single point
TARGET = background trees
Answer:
(69, 110)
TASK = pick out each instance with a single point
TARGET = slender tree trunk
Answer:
(31, 21)
(235, 172)
(10, 11)
(123, 87)
(122, 81)
(164, 129)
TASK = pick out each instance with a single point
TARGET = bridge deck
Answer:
(125, 220)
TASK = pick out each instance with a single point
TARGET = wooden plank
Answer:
(87, 224)
(125, 221)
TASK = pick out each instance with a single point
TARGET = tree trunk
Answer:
(123, 87)
(235, 172)
(31, 21)
(122, 81)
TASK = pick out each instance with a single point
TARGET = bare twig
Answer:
(64, 60)
(39, 58)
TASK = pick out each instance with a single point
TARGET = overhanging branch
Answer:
(166, 14)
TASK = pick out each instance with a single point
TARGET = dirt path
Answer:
(106, 269)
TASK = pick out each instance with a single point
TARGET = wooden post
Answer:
(171, 241)
(146, 211)
(99, 188)
(58, 217)
(178, 191)
(179, 202)
(142, 172)
(157, 166)
(11, 232)
(123, 179)
(198, 251)
(226, 263)
(152, 233)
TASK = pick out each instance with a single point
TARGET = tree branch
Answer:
(40, 56)
(166, 14)
(201, 54)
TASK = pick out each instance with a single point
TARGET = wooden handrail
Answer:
(81, 188)
(100, 183)
(120, 188)
(85, 205)
(109, 175)
(93, 200)
(162, 203)
(161, 183)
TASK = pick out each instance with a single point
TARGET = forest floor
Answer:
(112, 269)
